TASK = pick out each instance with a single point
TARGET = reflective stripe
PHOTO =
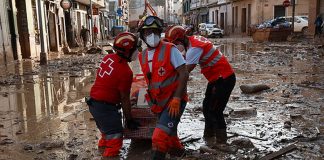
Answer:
(162, 52)
(114, 136)
(163, 102)
(210, 52)
(164, 128)
(165, 83)
(144, 56)
(158, 103)
(214, 61)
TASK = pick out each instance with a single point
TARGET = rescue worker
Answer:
(166, 75)
(318, 26)
(216, 69)
(111, 92)
(84, 33)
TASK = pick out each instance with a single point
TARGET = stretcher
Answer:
(141, 112)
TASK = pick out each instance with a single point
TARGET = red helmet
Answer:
(125, 44)
(175, 33)
(189, 31)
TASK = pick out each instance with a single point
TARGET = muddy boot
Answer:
(208, 131)
(221, 136)
(210, 141)
(177, 149)
(158, 155)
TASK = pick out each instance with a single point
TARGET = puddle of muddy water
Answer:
(36, 108)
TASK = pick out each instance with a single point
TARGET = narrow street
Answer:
(43, 114)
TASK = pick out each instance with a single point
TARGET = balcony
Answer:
(96, 3)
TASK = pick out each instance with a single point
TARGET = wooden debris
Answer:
(190, 140)
(206, 149)
(280, 152)
(236, 134)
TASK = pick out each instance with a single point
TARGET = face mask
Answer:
(152, 40)
(134, 55)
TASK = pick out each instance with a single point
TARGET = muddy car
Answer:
(210, 30)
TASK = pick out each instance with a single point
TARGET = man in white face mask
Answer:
(166, 75)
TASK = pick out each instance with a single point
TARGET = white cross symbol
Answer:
(103, 72)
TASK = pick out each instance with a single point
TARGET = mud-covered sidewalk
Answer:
(43, 114)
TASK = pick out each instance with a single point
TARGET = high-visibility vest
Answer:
(162, 80)
(213, 63)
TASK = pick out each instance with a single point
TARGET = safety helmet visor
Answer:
(151, 20)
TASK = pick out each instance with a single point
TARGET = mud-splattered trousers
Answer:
(216, 97)
(109, 121)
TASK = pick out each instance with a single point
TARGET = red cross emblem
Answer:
(106, 70)
(161, 71)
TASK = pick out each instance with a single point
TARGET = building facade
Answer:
(316, 8)
(9, 37)
(23, 21)
(236, 16)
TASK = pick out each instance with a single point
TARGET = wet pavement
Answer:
(43, 114)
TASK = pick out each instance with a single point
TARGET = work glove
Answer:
(174, 107)
(132, 124)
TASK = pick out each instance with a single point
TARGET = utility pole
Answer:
(3, 44)
(293, 15)
(43, 54)
(91, 25)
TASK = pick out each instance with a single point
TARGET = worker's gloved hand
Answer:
(174, 107)
(132, 124)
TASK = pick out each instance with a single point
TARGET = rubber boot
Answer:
(112, 147)
(160, 141)
(177, 148)
(221, 136)
(158, 155)
(102, 141)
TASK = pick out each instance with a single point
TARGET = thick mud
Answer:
(43, 114)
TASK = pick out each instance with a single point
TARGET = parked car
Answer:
(210, 30)
(275, 23)
(304, 17)
(301, 24)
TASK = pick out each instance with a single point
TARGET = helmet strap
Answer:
(123, 56)
(186, 42)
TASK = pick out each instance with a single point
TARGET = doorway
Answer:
(243, 20)
(23, 32)
(12, 32)
(279, 11)
(222, 19)
(52, 31)
(68, 29)
(216, 16)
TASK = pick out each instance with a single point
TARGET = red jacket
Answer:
(113, 76)
(213, 64)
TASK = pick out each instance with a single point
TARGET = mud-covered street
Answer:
(43, 114)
